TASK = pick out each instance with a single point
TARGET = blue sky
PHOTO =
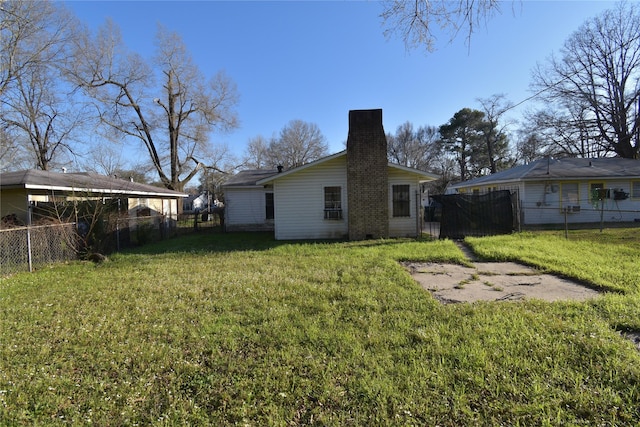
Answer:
(315, 61)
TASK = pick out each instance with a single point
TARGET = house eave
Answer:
(110, 191)
(301, 168)
(425, 175)
(245, 187)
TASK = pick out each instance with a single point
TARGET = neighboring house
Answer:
(23, 191)
(582, 190)
(353, 194)
(196, 203)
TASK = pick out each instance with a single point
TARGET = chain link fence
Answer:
(28, 248)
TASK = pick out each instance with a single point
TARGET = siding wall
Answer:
(543, 204)
(299, 202)
(14, 202)
(245, 209)
(404, 226)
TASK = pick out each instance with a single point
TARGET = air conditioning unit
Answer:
(571, 209)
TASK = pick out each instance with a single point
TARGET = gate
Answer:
(477, 214)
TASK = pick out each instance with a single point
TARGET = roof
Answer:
(562, 169)
(426, 175)
(82, 181)
(249, 178)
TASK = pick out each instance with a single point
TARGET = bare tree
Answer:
(567, 132)
(103, 159)
(529, 145)
(599, 70)
(257, 153)
(299, 143)
(418, 21)
(32, 33)
(414, 148)
(12, 153)
(172, 119)
(37, 106)
(494, 133)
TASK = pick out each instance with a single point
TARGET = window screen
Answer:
(332, 203)
(401, 201)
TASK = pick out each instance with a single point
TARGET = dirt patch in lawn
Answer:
(494, 281)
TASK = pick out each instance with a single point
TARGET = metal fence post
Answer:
(29, 255)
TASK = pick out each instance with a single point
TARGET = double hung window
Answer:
(332, 203)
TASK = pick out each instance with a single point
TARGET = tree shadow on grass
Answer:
(246, 241)
(210, 242)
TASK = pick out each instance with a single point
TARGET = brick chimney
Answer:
(367, 176)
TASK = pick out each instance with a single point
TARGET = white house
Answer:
(311, 202)
(248, 205)
(582, 190)
(353, 194)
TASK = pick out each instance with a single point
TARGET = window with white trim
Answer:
(333, 202)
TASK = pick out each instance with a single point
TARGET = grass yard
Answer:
(239, 329)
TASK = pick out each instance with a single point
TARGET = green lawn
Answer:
(239, 329)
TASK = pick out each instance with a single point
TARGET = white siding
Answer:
(299, 202)
(14, 202)
(541, 203)
(245, 208)
(544, 205)
(404, 226)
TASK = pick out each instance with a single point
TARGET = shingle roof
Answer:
(567, 168)
(249, 178)
(81, 181)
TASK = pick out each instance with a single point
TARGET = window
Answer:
(635, 189)
(597, 192)
(401, 201)
(268, 203)
(332, 203)
(570, 194)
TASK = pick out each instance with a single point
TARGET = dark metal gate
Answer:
(477, 214)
